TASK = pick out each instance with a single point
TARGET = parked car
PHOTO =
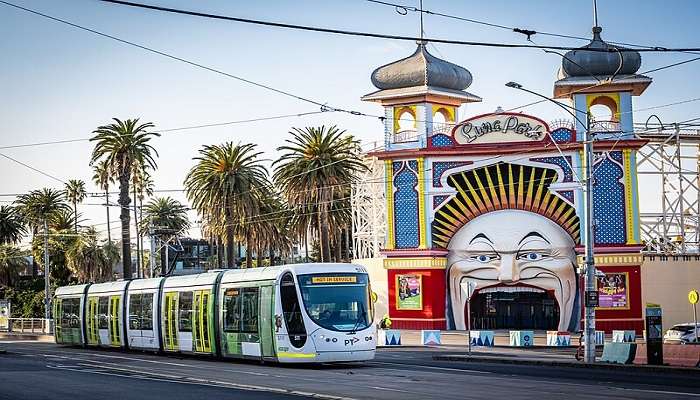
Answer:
(682, 334)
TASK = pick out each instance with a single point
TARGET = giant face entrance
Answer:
(512, 309)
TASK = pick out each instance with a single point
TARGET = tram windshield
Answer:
(339, 302)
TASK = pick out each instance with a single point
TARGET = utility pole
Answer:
(152, 258)
(47, 287)
(589, 317)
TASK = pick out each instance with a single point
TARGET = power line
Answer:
(369, 34)
(32, 168)
(85, 139)
(324, 106)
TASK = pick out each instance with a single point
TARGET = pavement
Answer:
(37, 370)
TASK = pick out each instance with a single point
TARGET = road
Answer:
(31, 370)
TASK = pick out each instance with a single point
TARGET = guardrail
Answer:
(30, 325)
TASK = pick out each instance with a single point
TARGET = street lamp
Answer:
(590, 271)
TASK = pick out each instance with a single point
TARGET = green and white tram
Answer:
(290, 313)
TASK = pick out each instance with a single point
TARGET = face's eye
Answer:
(484, 258)
(531, 256)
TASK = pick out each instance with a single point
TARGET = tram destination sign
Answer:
(500, 128)
(334, 279)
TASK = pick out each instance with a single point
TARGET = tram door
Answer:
(57, 316)
(200, 319)
(114, 315)
(91, 320)
(267, 304)
(170, 323)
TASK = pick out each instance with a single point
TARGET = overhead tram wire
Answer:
(179, 129)
(364, 34)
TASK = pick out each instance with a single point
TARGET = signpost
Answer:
(655, 349)
(693, 299)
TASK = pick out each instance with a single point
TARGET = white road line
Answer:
(430, 367)
(658, 391)
(390, 389)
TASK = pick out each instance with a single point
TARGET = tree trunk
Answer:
(230, 259)
(124, 216)
(239, 253)
(75, 215)
(271, 255)
(348, 249)
(324, 228)
(260, 256)
(306, 244)
(163, 267)
(136, 230)
(109, 230)
(248, 253)
(219, 253)
(338, 247)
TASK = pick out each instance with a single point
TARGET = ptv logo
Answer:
(351, 341)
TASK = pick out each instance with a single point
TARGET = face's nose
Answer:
(508, 269)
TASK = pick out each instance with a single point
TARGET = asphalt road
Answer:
(30, 370)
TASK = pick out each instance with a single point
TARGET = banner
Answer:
(612, 290)
(409, 292)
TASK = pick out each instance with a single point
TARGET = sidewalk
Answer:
(460, 338)
(11, 336)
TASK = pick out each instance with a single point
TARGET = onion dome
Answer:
(421, 69)
(581, 62)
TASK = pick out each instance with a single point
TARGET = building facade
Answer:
(484, 213)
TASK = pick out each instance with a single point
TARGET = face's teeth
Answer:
(511, 289)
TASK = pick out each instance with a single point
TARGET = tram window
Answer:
(185, 320)
(71, 310)
(147, 311)
(135, 311)
(102, 311)
(292, 311)
(232, 310)
(250, 310)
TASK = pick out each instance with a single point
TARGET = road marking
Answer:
(658, 391)
(390, 389)
(430, 367)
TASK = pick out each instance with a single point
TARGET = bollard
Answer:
(599, 338)
(623, 336)
(392, 337)
(619, 353)
(558, 339)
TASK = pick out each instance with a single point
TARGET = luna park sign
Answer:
(500, 128)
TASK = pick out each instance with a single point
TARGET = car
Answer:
(682, 334)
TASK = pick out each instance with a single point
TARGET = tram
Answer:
(299, 313)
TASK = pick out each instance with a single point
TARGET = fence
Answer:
(30, 325)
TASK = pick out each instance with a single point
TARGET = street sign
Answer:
(592, 298)
(693, 297)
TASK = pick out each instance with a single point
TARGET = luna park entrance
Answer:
(514, 310)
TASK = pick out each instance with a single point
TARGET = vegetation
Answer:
(124, 146)
(75, 193)
(12, 225)
(102, 177)
(227, 187)
(165, 213)
(315, 172)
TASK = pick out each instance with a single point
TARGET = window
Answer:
(102, 311)
(71, 313)
(339, 302)
(292, 311)
(185, 320)
(232, 310)
(250, 310)
(135, 311)
(147, 311)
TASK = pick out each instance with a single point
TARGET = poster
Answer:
(612, 290)
(409, 292)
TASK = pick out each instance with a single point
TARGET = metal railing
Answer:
(605, 126)
(405, 136)
(30, 325)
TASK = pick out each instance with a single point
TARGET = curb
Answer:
(603, 366)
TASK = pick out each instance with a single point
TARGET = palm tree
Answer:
(75, 193)
(87, 260)
(42, 207)
(124, 145)
(317, 162)
(165, 213)
(12, 225)
(12, 260)
(226, 187)
(142, 187)
(102, 178)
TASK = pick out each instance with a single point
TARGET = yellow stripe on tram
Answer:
(285, 354)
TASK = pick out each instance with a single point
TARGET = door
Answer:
(267, 302)
(57, 317)
(115, 338)
(201, 317)
(103, 321)
(170, 322)
(91, 320)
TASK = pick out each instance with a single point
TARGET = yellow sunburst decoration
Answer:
(502, 187)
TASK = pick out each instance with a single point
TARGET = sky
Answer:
(58, 82)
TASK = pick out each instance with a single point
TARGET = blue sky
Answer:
(57, 82)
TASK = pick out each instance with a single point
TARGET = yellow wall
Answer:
(380, 285)
(668, 283)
